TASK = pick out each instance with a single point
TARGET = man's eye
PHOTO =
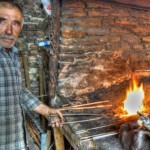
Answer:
(2, 21)
(17, 24)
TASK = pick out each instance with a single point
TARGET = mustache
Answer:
(9, 37)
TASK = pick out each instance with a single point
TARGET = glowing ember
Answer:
(133, 101)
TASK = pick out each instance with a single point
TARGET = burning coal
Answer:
(134, 98)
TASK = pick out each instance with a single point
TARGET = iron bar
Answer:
(86, 130)
(90, 107)
(76, 114)
(81, 121)
(87, 104)
(98, 136)
(142, 70)
(109, 125)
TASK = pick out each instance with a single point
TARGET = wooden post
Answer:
(59, 139)
(48, 139)
(54, 36)
(41, 87)
(26, 71)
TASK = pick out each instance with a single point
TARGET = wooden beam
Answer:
(26, 71)
(59, 139)
(48, 139)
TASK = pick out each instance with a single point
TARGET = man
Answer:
(13, 96)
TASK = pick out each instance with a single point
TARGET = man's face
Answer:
(11, 21)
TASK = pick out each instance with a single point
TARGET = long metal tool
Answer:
(76, 114)
(76, 121)
(89, 104)
(86, 130)
(98, 136)
(89, 107)
(120, 121)
(81, 121)
(146, 70)
(100, 127)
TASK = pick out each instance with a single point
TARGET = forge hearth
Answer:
(102, 133)
(96, 46)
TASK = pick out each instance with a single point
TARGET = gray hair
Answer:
(9, 4)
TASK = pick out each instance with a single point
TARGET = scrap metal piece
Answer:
(144, 119)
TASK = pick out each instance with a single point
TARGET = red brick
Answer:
(119, 30)
(98, 31)
(94, 4)
(73, 4)
(98, 13)
(138, 46)
(73, 13)
(73, 33)
(91, 22)
(141, 30)
(114, 38)
(126, 21)
(146, 39)
(117, 12)
(147, 46)
(130, 38)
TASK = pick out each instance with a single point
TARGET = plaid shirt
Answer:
(13, 99)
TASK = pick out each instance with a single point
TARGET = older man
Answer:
(14, 98)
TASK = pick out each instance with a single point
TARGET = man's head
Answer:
(11, 22)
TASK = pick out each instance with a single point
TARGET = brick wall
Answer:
(101, 44)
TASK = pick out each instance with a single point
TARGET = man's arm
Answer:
(46, 111)
(31, 103)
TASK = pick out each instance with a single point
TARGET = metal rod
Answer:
(86, 130)
(79, 121)
(109, 125)
(99, 136)
(87, 104)
(92, 107)
(142, 70)
(76, 114)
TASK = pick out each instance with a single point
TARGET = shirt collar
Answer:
(13, 49)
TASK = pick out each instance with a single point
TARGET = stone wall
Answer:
(101, 45)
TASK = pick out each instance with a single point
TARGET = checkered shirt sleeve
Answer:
(29, 101)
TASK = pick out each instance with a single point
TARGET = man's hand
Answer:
(47, 111)
(55, 121)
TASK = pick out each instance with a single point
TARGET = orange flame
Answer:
(134, 98)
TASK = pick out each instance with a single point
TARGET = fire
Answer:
(135, 95)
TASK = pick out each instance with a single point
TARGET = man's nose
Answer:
(9, 29)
